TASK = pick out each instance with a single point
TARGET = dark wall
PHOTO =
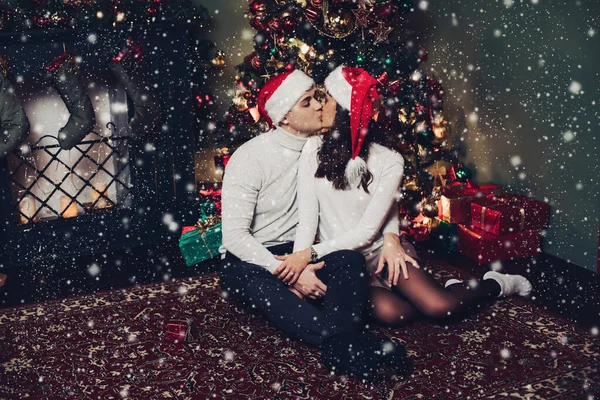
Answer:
(522, 81)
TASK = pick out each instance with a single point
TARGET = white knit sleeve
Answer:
(385, 193)
(392, 223)
(242, 182)
(308, 204)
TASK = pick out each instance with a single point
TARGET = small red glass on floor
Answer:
(179, 330)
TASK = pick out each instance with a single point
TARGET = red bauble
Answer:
(255, 62)
(257, 24)
(312, 13)
(289, 24)
(383, 78)
(275, 25)
(258, 6)
(203, 101)
(395, 88)
(423, 56)
(384, 11)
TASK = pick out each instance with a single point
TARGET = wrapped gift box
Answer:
(485, 247)
(200, 244)
(508, 213)
(445, 233)
(417, 228)
(455, 204)
(210, 208)
(210, 202)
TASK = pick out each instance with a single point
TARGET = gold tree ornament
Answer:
(364, 4)
(219, 60)
(403, 115)
(339, 23)
(440, 127)
(275, 64)
(240, 100)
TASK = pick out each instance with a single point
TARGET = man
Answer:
(259, 222)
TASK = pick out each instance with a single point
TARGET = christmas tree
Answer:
(316, 36)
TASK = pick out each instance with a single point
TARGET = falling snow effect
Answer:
(522, 82)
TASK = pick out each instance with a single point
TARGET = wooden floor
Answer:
(560, 287)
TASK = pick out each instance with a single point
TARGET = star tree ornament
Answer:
(361, 16)
(381, 33)
(14, 125)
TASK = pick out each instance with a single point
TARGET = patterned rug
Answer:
(111, 345)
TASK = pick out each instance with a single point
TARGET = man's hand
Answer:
(292, 266)
(308, 284)
(393, 254)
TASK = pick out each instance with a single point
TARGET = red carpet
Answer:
(110, 345)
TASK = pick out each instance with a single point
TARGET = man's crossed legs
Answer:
(334, 328)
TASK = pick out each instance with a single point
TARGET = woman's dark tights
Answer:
(421, 296)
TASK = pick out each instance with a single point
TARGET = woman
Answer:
(347, 189)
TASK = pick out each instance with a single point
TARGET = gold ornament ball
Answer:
(219, 60)
(339, 23)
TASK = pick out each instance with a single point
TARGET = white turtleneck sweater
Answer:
(259, 204)
(348, 219)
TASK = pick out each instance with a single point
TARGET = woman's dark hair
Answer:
(336, 152)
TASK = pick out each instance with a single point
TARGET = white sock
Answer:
(510, 284)
(451, 282)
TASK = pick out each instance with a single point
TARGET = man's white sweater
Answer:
(259, 201)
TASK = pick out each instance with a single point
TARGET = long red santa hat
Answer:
(356, 91)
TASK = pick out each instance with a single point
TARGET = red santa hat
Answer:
(356, 91)
(280, 93)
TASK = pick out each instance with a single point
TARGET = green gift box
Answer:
(198, 245)
(208, 209)
(446, 234)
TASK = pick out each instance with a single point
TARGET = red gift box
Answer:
(415, 228)
(508, 213)
(179, 330)
(211, 193)
(485, 247)
(187, 229)
(455, 204)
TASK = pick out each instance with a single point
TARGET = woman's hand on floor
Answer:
(292, 266)
(393, 254)
(308, 284)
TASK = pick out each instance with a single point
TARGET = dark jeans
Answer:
(257, 288)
